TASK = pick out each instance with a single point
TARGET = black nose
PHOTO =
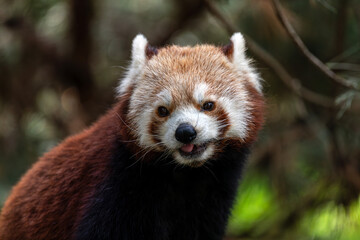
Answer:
(185, 133)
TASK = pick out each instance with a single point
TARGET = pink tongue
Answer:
(187, 148)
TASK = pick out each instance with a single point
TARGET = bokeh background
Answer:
(60, 61)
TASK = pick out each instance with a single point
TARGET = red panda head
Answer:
(190, 102)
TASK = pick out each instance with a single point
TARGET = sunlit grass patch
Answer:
(333, 222)
(254, 201)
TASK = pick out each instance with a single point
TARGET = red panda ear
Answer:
(138, 51)
(228, 50)
(150, 51)
(141, 52)
(235, 52)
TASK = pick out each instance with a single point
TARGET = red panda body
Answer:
(163, 163)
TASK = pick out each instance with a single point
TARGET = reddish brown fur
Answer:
(223, 118)
(255, 124)
(150, 51)
(48, 199)
(257, 113)
(228, 50)
(204, 63)
(154, 129)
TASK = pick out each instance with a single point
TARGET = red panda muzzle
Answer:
(191, 150)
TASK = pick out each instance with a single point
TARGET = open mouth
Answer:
(192, 150)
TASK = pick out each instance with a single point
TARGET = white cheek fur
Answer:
(144, 118)
(143, 127)
(238, 112)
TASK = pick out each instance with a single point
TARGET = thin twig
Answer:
(262, 55)
(300, 44)
(344, 66)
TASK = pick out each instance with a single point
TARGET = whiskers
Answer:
(135, 131)
(144, 151)
(209, 170)
(122, 120)
(224, 123)
(164, 155)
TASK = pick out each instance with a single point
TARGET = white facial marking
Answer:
(199, 92)
(164, 97)
(143, 127)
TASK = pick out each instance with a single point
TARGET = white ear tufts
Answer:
(239, 47)
(242, 63)
(138, 60)
(138, 49)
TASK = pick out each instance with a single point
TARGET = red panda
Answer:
(163, 163)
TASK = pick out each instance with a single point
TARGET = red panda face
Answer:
(188, 102)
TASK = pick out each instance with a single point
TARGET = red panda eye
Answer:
(208, 106)
(163, 112)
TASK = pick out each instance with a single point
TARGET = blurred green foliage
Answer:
(303, 178)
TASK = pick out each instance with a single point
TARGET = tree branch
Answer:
(187, 10)
(300, 44)
(262, 55)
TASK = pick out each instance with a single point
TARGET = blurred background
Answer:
(61, 60)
